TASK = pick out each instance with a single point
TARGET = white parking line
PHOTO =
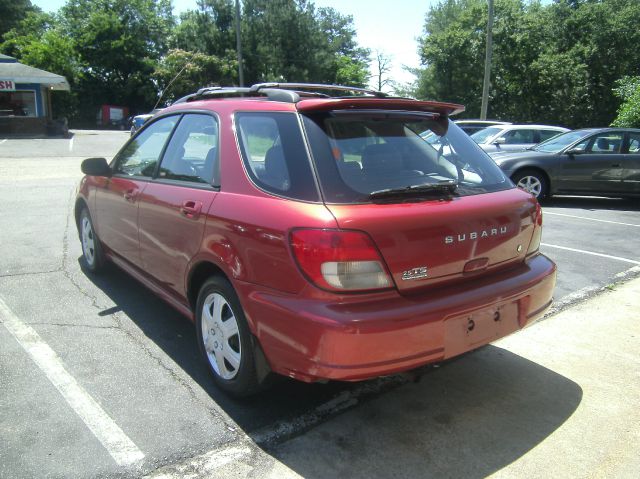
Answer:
(1, 142)
(71, 144)
(590, 219)
(115, 441)
(617, 258)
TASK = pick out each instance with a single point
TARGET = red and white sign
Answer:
(7, 85)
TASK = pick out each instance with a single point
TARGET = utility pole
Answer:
(239, 44)
(487, 65)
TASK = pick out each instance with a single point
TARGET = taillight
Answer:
(534, 245)
(339, 260)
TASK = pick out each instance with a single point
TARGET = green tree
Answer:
(628, 90)
(118, 43)
(181, 72)
(12, 12)
(347, 63)
(210, 29)
(283, 40)
(555, 63)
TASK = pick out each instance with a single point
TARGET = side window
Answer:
(607, 142)
(140, 157)
(515, 137)
(546, 134)
(634, 143)
(192, 154)
(275, 155)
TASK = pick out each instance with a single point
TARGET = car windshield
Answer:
(559, 142)
(361, 156)
(484, 134)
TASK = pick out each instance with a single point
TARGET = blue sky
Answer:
(390, 26)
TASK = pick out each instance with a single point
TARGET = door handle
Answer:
(191, 209)
(615, 165)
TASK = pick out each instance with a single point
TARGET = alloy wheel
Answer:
(220, 336)
(88, 241)
(531, 184)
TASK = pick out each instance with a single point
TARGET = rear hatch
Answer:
(431, 242)
(436, 206)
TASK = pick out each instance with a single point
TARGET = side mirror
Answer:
(500, 141)
(96, 167)
(574, 151)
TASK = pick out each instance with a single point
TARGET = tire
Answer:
(532, 181)
(92, 253)
(224, 339)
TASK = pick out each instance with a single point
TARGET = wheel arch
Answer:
(197, 276)
(81, 203)
(536, 168)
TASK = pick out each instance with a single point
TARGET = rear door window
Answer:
(634, 143)
(605, 143)
(192, 154)
(274, 154)
(519, 137)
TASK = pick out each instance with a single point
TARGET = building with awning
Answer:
(25, 97)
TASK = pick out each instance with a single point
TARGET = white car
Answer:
(514, 137)
(471, 126)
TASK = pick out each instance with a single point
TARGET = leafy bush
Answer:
(628, 89)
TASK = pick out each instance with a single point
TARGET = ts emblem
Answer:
(415, 273)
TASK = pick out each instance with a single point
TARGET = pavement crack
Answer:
(65, 257)
(30, 273)
(172, 373)
(71, 325)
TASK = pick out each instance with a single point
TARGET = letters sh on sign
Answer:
(7, 85)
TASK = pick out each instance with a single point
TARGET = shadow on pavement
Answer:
(175, 335)
(593, 203)
(470, 418)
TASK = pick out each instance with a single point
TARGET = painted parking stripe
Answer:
(115, 441)
(2, 141)
(616, 258)
(590, 219)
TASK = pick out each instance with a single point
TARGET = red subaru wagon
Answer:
(311, 231)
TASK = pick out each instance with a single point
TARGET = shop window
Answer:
(18, 103)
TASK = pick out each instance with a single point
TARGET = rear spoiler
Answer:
(398, 104)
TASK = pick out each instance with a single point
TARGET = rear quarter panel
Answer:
(248, 237)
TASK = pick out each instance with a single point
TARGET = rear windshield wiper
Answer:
(442, 188)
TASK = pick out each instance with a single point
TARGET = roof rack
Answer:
(319, 88)
(284, 92)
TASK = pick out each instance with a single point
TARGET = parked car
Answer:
(514, 137)
(139, 120)
(472, 126)
(468, 126)
(317, 236)
(593, 161)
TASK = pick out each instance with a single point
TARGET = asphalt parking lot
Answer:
(126, 352)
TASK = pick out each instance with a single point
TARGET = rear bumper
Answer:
(359, 337)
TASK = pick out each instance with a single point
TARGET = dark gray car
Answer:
(594, 161)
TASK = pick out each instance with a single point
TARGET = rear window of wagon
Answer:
(360, 152)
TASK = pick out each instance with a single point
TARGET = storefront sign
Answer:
(7, 85)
